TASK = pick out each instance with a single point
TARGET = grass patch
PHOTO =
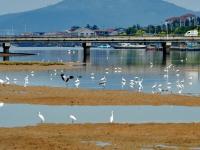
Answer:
(31, 63)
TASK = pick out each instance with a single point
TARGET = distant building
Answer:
(102, 32)
(107, 32)
(184, 20)
(57, 34)
(83, 32)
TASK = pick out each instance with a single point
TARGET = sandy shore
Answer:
(36, 66)
(64, 96)
(87, 137)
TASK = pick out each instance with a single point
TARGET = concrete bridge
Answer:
(86, 42)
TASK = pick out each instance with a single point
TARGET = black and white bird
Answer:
(66, 78)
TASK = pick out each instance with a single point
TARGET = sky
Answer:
(189, 4)
(12, 6)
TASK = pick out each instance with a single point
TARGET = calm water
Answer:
(134, 65)
(22, 115)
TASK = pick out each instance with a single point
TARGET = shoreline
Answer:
(111, 136)
(37, 66)
(63, 96)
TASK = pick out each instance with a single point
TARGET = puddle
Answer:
(98, 143)
(195, 148)
(161, 146)
(12, 115)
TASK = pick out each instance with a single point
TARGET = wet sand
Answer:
(36, 66)
(64, 96)
(115, 136)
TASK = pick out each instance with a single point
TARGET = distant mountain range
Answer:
(104, 13)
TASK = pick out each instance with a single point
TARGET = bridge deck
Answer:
(97, 39)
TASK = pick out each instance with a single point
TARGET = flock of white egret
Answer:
(135, 82)
(74, 118)
(71, 116)
(162, 86)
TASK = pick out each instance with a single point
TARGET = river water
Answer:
(181, 77)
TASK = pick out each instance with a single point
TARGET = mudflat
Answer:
(65, 96)
(101, 136)
(36, 66)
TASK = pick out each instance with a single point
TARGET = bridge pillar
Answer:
(86, 51)
(6, 47)
(166, 48)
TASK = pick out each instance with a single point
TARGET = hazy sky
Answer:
(189, 4)
(11, 6)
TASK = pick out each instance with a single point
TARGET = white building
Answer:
(83, 32)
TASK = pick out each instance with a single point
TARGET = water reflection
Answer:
(106, 57)
(23, 115)
(6, 58)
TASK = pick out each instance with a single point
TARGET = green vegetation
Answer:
(161, 30)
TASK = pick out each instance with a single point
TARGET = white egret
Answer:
(112, 117)
(77, 80)
(165, 76)
(92, 76)
(169, 83)
(107, 69)
(7, 78)
(132, 83)
(123, 79)
(73, 118)
(1, 104)
(151, 65)
(41, 117)
(140, 83)
(32, 73)
(154, 86)
(69, 51)
(77, 84)
(177, 74)
(103, 79)
(2, 81)
(15, 80)
(190, 83)
(123, 82)
(102, 82)
(169, 87)
(190, 78)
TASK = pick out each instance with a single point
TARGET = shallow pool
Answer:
(13, 115)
